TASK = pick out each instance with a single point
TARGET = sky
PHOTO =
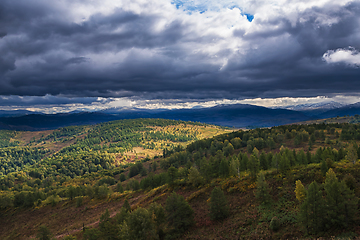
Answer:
(87, 55)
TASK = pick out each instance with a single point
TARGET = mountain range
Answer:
(235, 115)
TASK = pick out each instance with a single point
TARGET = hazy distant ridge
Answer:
(237, 115)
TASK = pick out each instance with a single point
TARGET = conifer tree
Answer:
(302, 158)
(141, 225)
(275, 161)
(340, 201)
(262, 190)
(172, 174)
(119, 188)
(284, 163)
(312, 209)
(234, 166)
(243, 162)
(219, 208)
(126, 206)
(253, 165)
(263, 161)
(224, 168)
(205, 168)
(107, 227)
(324, 167)
(43, 233)
(194, 177)
(180, 216)
(352, 153)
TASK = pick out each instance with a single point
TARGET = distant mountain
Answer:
(350, 110)
(314, 106)
(314, 109)
(237, 115)
(8, 113)
(33, 122)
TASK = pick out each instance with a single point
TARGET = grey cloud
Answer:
(42, 101)
(44, 53)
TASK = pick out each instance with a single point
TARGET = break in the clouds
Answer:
(164, 49)
(348, 56)
(50, 104)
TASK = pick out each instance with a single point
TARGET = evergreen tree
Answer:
(312, 209)
(122, 177)
(234, 166)
(340, 201)
(262, 190)
(308, 157)
(253, 165)
(71, 192)
(302, 158)
(172, 175)
(159, 217)
(92, 234)
(158, 213)
(107, 227)
(351, 153)
(219, 208)
(180, 216)
(224, 168)
(205, 169)
(228, 150)
(126, 206)
(194, 176)
(119, 188)
(43, 233)
(263, 161)
(275, 161)
(284, 163)
(141, 225)
(324, 167)
(243, 158)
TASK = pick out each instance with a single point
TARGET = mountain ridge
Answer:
(236, 115)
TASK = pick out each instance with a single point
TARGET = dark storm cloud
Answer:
(45, 49)
(43, 100)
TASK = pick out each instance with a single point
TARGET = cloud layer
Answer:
(179, 50)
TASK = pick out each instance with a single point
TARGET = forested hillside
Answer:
(284, 182)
